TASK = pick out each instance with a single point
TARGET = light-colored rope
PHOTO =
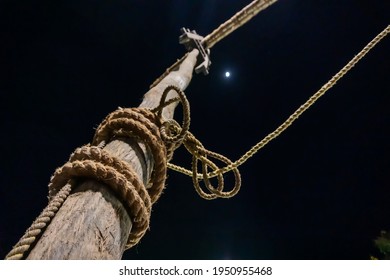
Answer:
(293, 116)
(32, 234)
(236, 21)
(145, 126)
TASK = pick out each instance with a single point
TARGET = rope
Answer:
(95, 163)
(92, 162)
(238, 20)
(168, 70)
(294, 116)
(143, 125)
(162, 138)
(202, 155)
(26, 242)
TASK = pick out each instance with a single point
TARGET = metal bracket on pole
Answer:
(191, 40)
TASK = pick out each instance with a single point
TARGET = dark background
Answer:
(319, 191)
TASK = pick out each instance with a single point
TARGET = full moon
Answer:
(227, 74)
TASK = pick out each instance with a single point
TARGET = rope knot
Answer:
(142, 124)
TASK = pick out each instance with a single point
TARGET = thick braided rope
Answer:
(204, 156)
(90, 162)
(26, 242)
(93, 162)
(293, 116)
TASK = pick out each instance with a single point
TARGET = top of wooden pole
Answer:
(232, 24)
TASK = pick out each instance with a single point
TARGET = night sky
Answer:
(319, 191)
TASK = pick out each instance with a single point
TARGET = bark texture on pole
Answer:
(92, 223)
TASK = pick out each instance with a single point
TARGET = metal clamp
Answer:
(191, 40)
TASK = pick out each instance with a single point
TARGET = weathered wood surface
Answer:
(92, 223)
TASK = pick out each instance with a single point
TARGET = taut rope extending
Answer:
(174, 135)
(294, 116)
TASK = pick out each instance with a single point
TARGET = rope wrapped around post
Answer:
(161, 136)
(94, 163)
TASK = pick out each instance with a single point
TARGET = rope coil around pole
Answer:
(144, 125)
(90, 162)
(293, 117)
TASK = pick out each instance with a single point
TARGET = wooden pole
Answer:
(92, 223)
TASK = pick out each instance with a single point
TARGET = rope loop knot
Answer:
(203, 156)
